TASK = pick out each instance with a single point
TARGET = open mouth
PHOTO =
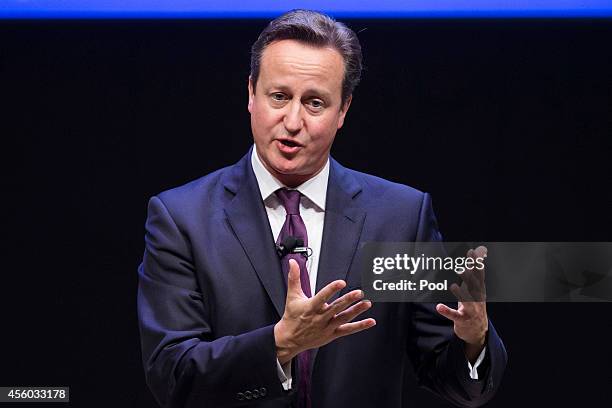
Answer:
(289, 143)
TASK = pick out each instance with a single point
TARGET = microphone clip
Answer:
(306, 252)
(293, 245)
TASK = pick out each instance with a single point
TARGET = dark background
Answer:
(508, 123)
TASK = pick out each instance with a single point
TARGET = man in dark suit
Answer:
(228, 318)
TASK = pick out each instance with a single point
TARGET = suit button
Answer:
(263, 391)
(255, 393)
(248, 395)
(240, 396)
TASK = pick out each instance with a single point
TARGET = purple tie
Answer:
(294, 226)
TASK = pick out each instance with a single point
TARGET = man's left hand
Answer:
(470, 318)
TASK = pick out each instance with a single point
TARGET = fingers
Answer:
(481, 252)
(469, 306)
(448, 312)
(344, 301)
(352, 312)
(294, 286)
(354, 327)
(473, 288)
(319, 300)
(462, 293)
(456, 290)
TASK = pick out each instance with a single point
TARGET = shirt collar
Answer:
(315, 188)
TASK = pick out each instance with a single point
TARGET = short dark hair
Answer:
(316, 29)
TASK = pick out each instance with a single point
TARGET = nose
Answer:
(293, 120)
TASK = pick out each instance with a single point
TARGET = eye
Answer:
(316, 104)
(278, 97)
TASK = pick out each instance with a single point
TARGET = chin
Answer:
(286, 170)
(284, 165)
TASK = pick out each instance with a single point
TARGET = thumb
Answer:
(449, 313)
(294, 285)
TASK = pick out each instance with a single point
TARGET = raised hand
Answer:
(311, 322)
(470, 318)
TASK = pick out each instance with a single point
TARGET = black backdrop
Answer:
(507, 123)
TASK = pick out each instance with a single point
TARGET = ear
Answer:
(251, 94)
(343, 110)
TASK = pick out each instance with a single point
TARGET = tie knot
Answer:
(290, 199)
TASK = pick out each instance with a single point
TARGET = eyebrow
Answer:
(308, 92)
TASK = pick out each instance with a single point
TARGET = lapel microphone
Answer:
(292, 245)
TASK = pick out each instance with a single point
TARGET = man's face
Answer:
(296, 108)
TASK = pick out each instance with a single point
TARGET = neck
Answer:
(292, 180)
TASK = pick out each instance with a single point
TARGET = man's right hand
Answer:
(311, 322)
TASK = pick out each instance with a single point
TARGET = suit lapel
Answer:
(343, 225)
(248, 219)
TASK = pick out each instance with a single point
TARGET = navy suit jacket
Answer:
(211, 289)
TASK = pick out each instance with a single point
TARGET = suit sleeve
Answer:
(438, 354)
(185, 365)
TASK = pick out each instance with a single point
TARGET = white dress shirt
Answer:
(312, 210)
